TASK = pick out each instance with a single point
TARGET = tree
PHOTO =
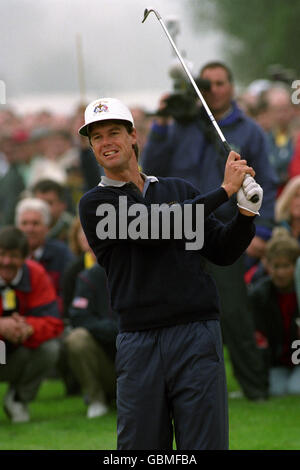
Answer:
(259, 33)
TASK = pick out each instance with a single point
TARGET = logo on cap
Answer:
(100, 108)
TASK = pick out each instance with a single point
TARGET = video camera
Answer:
(182, 104)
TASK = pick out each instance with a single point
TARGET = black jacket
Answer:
(90, 308)
(268, 320)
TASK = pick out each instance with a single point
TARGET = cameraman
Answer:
(188, 147)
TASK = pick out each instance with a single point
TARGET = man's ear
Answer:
(134, 135)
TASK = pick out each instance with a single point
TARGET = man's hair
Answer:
(73, 237)
(46, 185)
(282, 244)
(217, 64)
(283, 202)
(128, 126)
(11, 238)
(33, 204)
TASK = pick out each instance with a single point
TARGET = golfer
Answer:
(169, 363)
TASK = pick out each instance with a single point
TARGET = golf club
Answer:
(147, 11)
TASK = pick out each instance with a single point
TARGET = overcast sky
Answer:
(121, 55)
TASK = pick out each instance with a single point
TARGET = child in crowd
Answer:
(276, 314)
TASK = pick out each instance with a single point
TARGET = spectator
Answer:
(287, 208)
(281, 145)
(276, 315)
(39, 136)
(90, 170)
(192, 151)
(252, 99)
(261, 113)
(29, 323)
(255, 255)
(33, 217)
(294, 128)
(59, 156)
(91, 344)
(54, 194)
(142, 124)
(294, 166)
(23, 152)
(288, 216)
(11, 180)
(84, 258)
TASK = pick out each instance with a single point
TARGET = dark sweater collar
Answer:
(115, 183)
(105, 181)
(234, 114)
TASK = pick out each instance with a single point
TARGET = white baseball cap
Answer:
(105, 109)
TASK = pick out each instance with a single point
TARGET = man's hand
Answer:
(235, 171)
(15, 328)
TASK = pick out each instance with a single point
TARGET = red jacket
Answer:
(36, 299)
(294, 166)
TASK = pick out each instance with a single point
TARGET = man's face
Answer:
(220, 94)
(281, 270)
(32, 224)
(281, 108)
(10, 262)
(112, 146)
(57, 206)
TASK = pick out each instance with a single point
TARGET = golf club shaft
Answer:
(199, 94)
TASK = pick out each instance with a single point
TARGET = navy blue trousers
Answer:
(171, 382)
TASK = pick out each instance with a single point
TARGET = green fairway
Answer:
(59, 423)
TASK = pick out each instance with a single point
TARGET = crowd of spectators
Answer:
(45, 167)
(49, 277)
(273, 272)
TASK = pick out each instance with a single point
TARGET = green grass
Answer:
(59, 423)
(268, 425)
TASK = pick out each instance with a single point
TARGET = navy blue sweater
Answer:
(157, 283)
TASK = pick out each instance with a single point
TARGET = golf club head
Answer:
(147, 11)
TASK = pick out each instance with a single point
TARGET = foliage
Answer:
(258, 33)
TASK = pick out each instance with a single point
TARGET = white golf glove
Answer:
(244, 194)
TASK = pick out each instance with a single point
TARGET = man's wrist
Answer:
(247, 213)
(228, 188)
